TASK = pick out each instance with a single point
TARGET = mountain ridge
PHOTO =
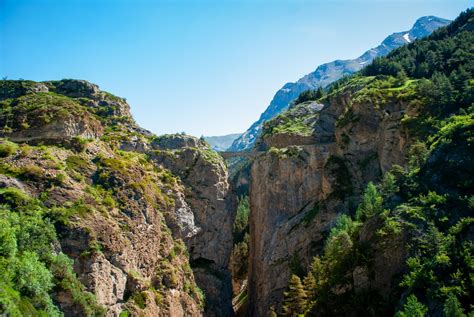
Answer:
(327, 73)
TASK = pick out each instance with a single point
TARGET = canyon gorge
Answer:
(354, 199)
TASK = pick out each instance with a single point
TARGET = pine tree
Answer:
(418, 154)
(401, 77)
(319, 93)
(294, 303)
(413, 308)
(310, 285)
(371, 203)
(452, 307)
(389, 185)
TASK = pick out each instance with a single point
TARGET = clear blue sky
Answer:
(204, 67)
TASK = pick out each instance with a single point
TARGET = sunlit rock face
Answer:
(304, 181)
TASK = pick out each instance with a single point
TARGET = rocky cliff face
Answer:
(370, 254)
(328, 73)
(205, 176)
(147, 221)
(299, 187)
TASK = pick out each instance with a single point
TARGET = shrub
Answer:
(76, 163)
(32, 277)
(13, 196)
(7, 148)
(79, 144)
(452, 307)
(32, 172)
(61, 178)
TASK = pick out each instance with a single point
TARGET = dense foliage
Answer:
(30, 267)
(434, 222)
(309, 95)
(240, 250)
(446, 59)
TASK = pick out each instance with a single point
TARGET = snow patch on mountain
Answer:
(407, 37)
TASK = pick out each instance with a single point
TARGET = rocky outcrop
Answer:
(74, 88)
(60, 130)
(123, 251)
(209, 196)
(298, 191)
(58, 111)
(176, 142)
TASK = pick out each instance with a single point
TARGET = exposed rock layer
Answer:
(124, 204)
(298, 191)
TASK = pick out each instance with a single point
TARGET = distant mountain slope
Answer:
(327, 73)
(222, 142)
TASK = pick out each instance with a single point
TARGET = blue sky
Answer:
(203, 67)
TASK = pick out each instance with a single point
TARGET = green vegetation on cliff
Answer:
(84, 223)
(407, 249)
(428, 210)
(31, 266)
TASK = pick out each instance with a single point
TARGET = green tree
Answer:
(308, 95)
(310, 286)
(452, 307)
(8, 243)
(401, 77)
(413, 308)
(417, 154)
(371, 203)
(294, 303)
(337, 248)
(389, 185)
(33, 278)
(242, 217)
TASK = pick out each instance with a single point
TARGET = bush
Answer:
(7, 148)
(13, 196)
(29, 267)
(452, 307)
(79, 144)
(32, 277)
(61, 178)
(32, 172)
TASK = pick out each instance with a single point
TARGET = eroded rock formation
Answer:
(303, 182)
(135, 212)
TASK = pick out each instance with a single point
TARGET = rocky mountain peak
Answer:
(426, 25)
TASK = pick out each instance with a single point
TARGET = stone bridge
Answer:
(228, 155)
